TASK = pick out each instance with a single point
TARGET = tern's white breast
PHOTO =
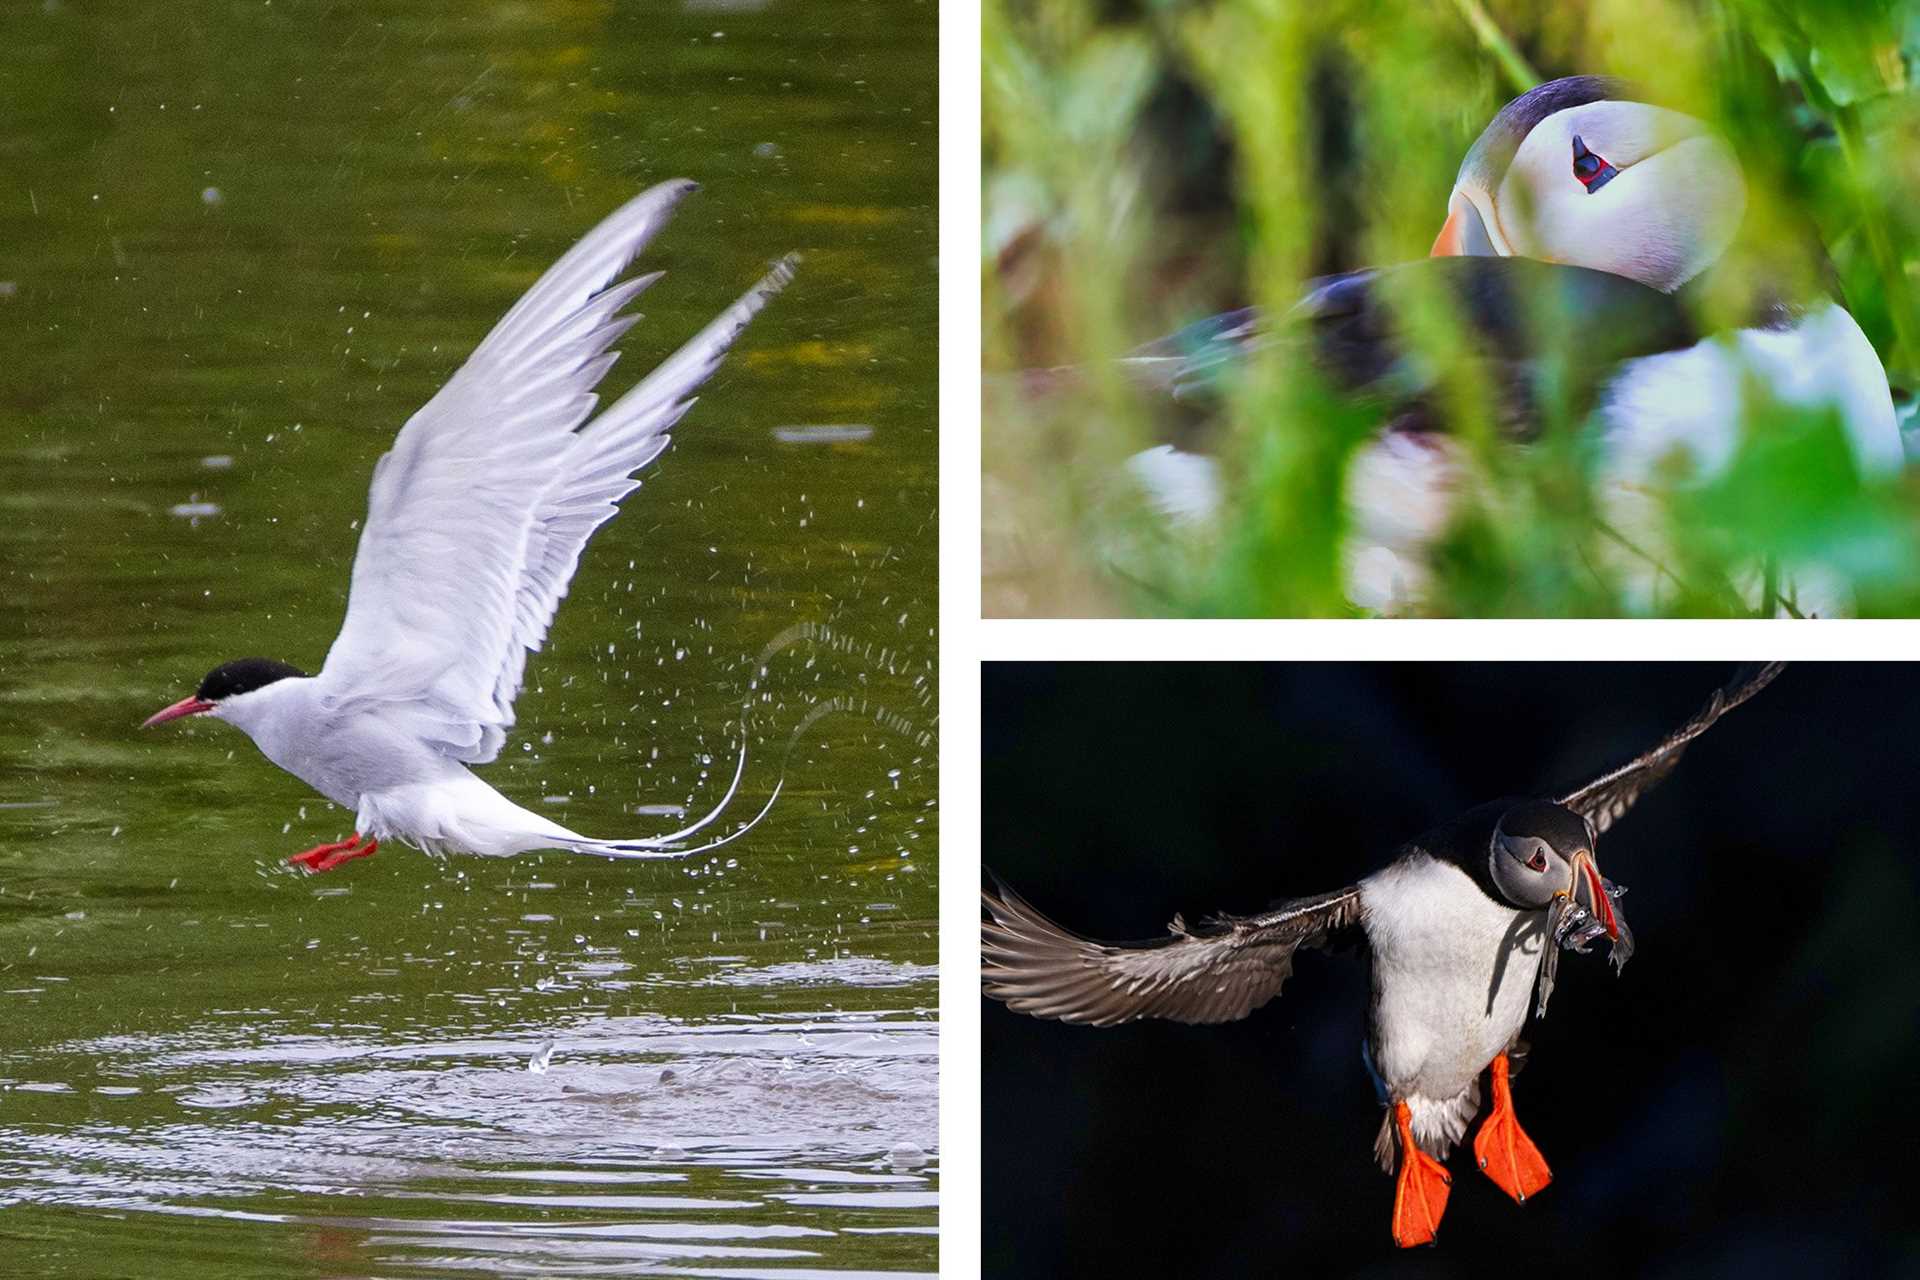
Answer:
(343, 750)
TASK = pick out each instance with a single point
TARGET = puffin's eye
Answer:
(1591, 169)
(1538, 862)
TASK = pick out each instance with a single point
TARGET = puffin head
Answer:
(1542, 854)
(1575, 172)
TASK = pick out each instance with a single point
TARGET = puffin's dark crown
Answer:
(1558, 825)
(243, 675)
(1493, 151)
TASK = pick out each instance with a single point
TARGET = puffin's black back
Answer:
(1535, 328)
(1465, 840)
(1513, 313)
(243, 675)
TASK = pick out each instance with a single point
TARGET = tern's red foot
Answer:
(1420, 1192)
(347, 854)
(1505, 1152)
(311, 858)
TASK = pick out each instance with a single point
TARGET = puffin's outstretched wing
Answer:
(1610, 795)
(1216, 971)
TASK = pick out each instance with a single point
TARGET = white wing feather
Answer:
(478, 514)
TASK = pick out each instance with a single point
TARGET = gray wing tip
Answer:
(1753, 679)
(1656, 761)
(1198, 975)
(1006, 908)
(778, 277)
(734, 319)
(1014, 935)
(659, 202)
(1035, 967)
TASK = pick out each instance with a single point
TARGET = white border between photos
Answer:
(1411, 640)
(960, 629)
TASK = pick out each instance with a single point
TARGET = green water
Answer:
(239, 244)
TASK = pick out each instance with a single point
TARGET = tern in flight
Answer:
(475, 522)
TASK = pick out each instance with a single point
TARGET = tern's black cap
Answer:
(243, 675)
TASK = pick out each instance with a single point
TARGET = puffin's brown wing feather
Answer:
(1217, 971)
(1603, 800)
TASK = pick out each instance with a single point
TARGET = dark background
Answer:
(1738, 1102)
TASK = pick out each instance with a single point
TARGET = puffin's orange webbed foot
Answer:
(1420, 1191)
(1506, 1153)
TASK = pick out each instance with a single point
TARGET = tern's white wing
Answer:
(478, 514)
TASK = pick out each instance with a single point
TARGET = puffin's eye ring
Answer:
(1589, 168)
(1538, 862)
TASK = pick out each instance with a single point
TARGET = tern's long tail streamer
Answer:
(671, 844)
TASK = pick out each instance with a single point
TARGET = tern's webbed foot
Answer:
(333, 860)
(326, 857)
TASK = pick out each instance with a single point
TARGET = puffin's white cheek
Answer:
(1689, 199)
(1553, 218)
(1517, 214)
(1709, 173)
(1626, 227)
(1660, 221)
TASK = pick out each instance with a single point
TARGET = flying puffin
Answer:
(1463, 929)
(1581, 211)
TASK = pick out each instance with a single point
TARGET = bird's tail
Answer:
(672, 845)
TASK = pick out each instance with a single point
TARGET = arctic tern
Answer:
(475, 523)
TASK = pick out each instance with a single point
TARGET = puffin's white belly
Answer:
(1453, 975)
(1674, 417)
(1691, 404)
(1681, 415)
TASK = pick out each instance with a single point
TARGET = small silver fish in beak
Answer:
(1585, 911)
(1597, 900)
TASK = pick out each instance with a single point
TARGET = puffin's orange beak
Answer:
(184, 707)
(1590, 893)
(1464, 233)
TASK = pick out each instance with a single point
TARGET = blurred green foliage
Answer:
(1148, 162)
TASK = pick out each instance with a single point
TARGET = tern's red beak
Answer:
(184, 707)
